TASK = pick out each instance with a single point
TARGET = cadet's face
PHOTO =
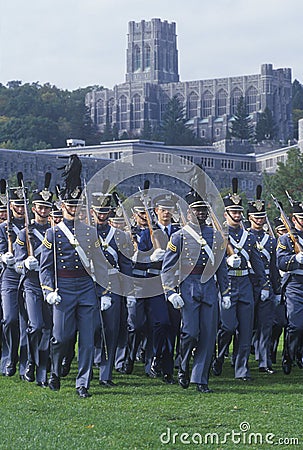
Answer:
(3, 216)
(233, 218)
(199, 213)
(164, 214)
(18, 210)
(298, 222)
(69, 212)
(257, 222)
(42, 211)
(140, 218)
(101, 218)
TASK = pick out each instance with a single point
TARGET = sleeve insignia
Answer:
(18, 241)
(47, 244)
(283, 247)
(171, 247)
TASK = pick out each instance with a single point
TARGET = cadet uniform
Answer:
(193, 264)
(264, 310)
(14, 324)
(66, 281)
(38, 311)
(290, 261)
(3, 217)
(117, 249)
(240, 316)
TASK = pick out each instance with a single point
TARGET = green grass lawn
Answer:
(141, 413)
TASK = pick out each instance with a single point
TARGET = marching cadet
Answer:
(67, 279)
(264, 310)
(196, 251)
(240, 316)
(38, 312)
(117, 249)
(290, 261)
(13, 321)
(164, 323)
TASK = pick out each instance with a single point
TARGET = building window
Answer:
(207, 101)
(251, 100)
(123, 112)
(207, 162)
(165, 158)
(235, 97)
(110, 110)
(245, 165)
(203, 133)
(192, 105)
(137, 61)
(146, 56)
(136, 111)
(221, 102)
(227, 164)
(186, 160)
(100, 111)
(217, 131)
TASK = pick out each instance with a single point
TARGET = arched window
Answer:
(251, 100)
(136, 107)
(110, 110)
(221, 102)
(137, 58)
(192, 105)
(207, 101)
(235, 97)
(123, 112)
(146, 56)
(100, 111)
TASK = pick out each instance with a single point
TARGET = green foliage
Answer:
(241, 127)
(174, 130)
(35, 116)
(265, 128)
(288, 177)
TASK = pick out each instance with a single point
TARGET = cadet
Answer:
(290, 261)
(163, 322)
(38, 311)
(196, 251)
(13, 323)
(69, 250)
(117, 249)
(240, 316)
(3, 217)
(264, 310)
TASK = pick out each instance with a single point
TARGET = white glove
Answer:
(226, 302)
(8, 259)
(53, 298)
(176, 300)
(234, 261)
(264, 295)
(31, 263)
(157, 255)
(299, 257)
(106, 302)
(130, 301)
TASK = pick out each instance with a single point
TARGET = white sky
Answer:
(79, 43)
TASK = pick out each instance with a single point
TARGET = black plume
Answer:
(234, 183)
(47, 180)
(2, 186)
(116, 198)
(258, 192)
(20, 178)
(71, 175)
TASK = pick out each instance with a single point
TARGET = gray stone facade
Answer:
(152, 79)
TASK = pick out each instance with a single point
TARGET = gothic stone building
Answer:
(152, 79)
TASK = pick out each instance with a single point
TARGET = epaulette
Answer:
(171, 247)
(19, 242)
(47, 244)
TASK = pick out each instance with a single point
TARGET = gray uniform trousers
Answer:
(75, 312)
(199, 326)
(264, 318)
(239, 317)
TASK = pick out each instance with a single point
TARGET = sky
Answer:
(78, 43)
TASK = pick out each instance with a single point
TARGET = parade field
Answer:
(141, 413)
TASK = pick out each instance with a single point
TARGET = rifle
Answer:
(155, 242)
(29, 245)
(287, 225)
(86, 203)
(119, 204)
(9, 226)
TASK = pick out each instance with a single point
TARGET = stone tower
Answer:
(152, 54)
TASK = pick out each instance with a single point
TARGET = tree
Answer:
(174, 130)
(287, 177)
(265, 128)
(241, 126)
